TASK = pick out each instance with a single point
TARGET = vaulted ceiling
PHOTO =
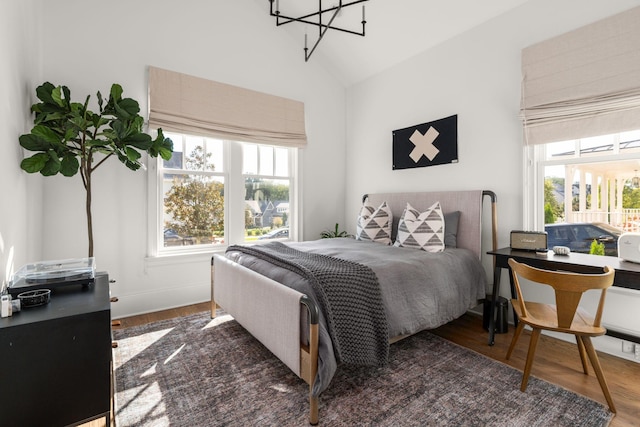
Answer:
(396, 30)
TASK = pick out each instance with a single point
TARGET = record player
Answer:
(53, 274)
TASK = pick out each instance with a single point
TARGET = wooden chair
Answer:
(564, 316)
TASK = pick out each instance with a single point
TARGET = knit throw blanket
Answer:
(347, 293)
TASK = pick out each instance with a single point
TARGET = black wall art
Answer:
(428, 144)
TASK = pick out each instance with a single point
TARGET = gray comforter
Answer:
(420, 290)
(348, 296)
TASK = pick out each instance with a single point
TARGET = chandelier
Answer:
(635, 181)
(316, 19)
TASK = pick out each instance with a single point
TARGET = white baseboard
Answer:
(159, 299)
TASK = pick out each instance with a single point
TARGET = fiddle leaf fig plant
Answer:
(69, 138)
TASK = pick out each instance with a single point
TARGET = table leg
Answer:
(494, 299)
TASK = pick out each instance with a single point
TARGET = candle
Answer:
(362, 13)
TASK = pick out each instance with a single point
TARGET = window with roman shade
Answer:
(233, 176)
(192, 105)
(583, 83)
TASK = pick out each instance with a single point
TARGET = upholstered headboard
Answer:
(469, 203)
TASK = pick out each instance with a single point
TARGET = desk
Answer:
(627, 274)
(56, 359)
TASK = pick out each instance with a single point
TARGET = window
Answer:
(213, 193)
(267, 188)
(589, 180)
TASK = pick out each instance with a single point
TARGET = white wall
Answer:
(20, 205)
(476, 76)
(90, 44)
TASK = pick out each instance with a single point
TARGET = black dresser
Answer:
(56, 359)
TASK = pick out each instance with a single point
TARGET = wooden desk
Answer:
(627, 274)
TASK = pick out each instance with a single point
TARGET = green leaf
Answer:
(141, 141)
(34, 163)
(165, 153)
(102, 122)
(127, 108)
(78, 108)
(46, 117)
(46, 133)
(71, 133)
(56, 95)
(132, 154)
(52, 166)
(34, 142)
(80, 122)
(67, 94)
(162, 147)
(119, 129)
(133, 165)
(97, 143)
(69, 165)
(137, 123)
(43, 92)
(49, 109)
(116, 92)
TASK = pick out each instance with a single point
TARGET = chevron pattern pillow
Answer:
(422, 230)
(374, 224)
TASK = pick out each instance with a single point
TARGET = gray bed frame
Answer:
(270, 311)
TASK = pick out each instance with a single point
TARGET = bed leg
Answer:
(313, 410)
(213, 301)
(313, 350)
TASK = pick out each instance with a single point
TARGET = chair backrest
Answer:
(568, 288)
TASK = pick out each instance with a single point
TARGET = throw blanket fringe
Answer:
(349, 296)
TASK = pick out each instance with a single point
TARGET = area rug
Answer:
(194, 371)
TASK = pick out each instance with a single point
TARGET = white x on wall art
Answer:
(427, 144)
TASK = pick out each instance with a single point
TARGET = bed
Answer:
(317, 304)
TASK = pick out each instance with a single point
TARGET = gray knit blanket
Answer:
(349, 296)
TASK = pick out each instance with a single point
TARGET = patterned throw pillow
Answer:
(374, 224)
(421, 230)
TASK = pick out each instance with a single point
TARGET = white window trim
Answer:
(534, 163)
(234, 230)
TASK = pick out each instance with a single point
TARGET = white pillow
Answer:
(374, 224)
(421, 230)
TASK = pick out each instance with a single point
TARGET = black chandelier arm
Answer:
(344, 30)
(322, 33)
(320, 12)
(322, 27)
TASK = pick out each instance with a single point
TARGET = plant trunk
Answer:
(88, 209)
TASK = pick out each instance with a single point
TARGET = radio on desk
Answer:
(528, 240)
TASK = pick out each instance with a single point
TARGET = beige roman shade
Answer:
(583, 83)
(192, 105)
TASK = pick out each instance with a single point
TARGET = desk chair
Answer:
(564, 316)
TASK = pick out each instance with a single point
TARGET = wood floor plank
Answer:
(557, 362)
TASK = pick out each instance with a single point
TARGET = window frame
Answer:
(534, 163)
(233, 176)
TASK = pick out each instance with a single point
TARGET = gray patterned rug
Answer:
(193, 371)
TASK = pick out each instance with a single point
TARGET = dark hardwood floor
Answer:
(556, 361)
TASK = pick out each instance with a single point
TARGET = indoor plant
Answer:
(597, 248)
(68, 137)
(329, 234)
